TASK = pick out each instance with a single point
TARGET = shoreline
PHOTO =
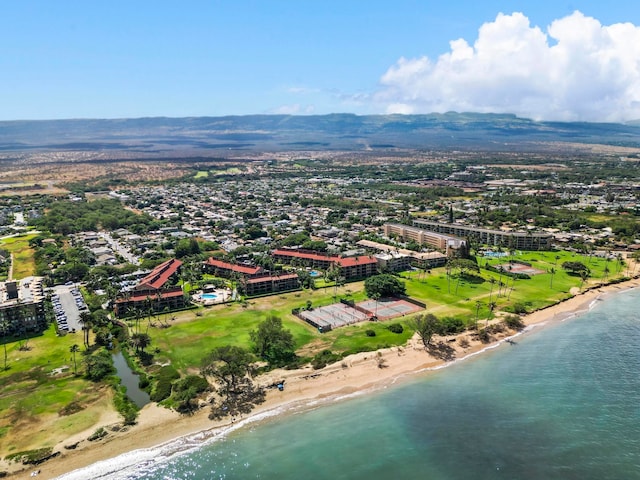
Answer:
(357, 374)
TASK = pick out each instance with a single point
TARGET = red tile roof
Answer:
(160, 275)
(233, 267)
(287, 276)
(141, 297)
(307, 255)
(341, 261)
(353, 261)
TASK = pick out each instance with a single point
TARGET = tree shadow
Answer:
(442, 351)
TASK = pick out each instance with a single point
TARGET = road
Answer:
(120, 249)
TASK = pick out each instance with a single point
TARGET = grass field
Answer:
(202, 174)
(37, 385)
(188, 340)
(195, 332)
(23, 261)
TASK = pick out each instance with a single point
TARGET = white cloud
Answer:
(577, 70)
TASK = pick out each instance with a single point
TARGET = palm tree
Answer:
(140, 341)
(552, 271)
(478, 305)
(492, 307)
(500, 283)
(376, 297)
(87, 322)
(137, 313)
(492, 281)
(620, 262)
(4, 327)
(584, 274)
(74, 349)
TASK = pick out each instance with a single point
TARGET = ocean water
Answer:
(562, 403)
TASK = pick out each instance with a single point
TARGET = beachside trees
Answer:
(272, 342)
(576, 268)
(232, 369)
(426, 326)
(385, 285)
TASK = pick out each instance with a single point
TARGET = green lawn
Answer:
(191, 336)
(33, 394)
(186, 342)
(23, 262)
(202, 174)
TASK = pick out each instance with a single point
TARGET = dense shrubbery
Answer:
(396, 328)
(186, 390)
(125, 406)
(514, 322)
(451, 326)
(370, 333)
(99, 365)
(164, 381)
(324, 358)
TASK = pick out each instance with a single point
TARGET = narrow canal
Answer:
(130, 380)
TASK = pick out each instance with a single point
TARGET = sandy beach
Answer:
(157, 425)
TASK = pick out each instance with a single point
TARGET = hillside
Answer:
(216, 136)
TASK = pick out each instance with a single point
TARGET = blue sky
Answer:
(114, 59)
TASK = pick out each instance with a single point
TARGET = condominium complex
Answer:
(350, 268)
(438, 240)
(154, 292)
(22, 307)
(507, 239)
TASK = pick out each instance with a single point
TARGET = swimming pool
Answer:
(314, 273)
(209, 296)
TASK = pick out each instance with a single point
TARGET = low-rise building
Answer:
(350, 268)
(271, 284)
(393, 261)
(156, 292)
(223, 269)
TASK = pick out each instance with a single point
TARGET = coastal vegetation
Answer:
(237, 213)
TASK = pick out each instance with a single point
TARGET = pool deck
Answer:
(222, 296)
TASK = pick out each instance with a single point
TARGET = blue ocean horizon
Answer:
(562, 403)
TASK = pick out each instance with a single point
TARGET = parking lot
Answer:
(68, 304)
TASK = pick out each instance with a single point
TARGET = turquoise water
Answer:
(209, 296)
(563, 403)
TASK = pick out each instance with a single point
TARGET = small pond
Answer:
(130, 380)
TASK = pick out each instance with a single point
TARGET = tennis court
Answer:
(519, 268)
(333, 316)
(387, 308)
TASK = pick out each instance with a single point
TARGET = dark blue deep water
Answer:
(564, 403)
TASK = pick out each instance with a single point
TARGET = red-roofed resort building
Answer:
(351, 268)
(157, 291)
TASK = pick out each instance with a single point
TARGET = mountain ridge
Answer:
(339, 131)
